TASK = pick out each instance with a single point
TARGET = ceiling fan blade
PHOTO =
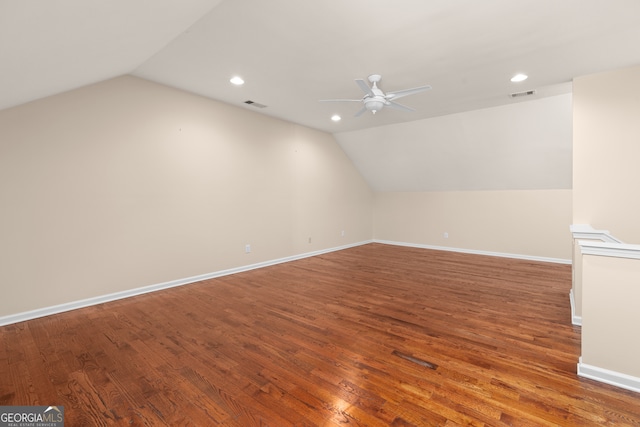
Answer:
(400, 107)
(400, 93)
(361, 112)
(365, 87)
(340, 100)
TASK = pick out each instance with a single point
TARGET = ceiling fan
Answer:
(375, 99)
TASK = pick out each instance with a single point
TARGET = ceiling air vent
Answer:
(519, 94)
(254, 104)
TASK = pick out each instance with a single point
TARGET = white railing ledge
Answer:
(610, 249)
(585, 228)
(585, 231)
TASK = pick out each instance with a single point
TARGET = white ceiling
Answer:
(292, 53)
(52, 46)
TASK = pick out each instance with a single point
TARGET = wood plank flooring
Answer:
(375, 335)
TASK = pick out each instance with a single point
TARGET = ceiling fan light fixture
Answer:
(519, 78)
(374, 105)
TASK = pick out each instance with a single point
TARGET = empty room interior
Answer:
(292, 213)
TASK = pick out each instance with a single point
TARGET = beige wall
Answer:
(606, 179)
(524, 222)
(606, 129)
(127, 183)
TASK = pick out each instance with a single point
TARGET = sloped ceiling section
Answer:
(510, 147)
(51, 46)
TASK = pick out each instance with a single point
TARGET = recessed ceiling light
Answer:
(519, 78)
(336, 118)
(237, 81)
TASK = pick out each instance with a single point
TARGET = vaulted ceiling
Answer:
(292, 53)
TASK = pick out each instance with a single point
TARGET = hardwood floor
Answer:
(375, 335)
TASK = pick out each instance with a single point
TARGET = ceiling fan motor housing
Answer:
(376, 102)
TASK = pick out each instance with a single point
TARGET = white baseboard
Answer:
(477, 252)
(47, 311)
(617, 379)
(575, 319)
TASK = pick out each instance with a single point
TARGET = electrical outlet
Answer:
(309, 239)
(247, 249)
(446, 235)
(342, 233)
